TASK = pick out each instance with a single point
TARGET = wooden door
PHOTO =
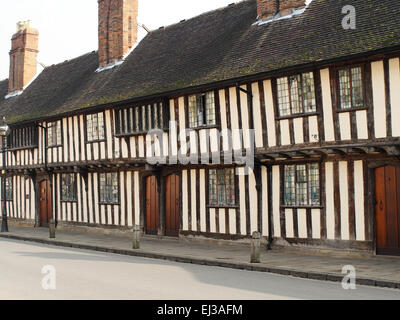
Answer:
(45, 203)
(172, 206)
(387, 191)
(151, 205)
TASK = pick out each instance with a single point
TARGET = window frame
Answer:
(118, 187)
(292, 115)
(216, 111)
(235, 186)
(86, 128)
(10, 178)
(23, 138)
(339, 108)
(61, 134)
(283, 186)
(75, 187)
(137, 112)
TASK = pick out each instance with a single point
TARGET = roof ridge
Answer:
(71, 60)
(201, 14)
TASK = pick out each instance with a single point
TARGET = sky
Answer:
(68, 29)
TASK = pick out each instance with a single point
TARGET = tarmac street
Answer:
(33, 271)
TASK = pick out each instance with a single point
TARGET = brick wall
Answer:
(117, 29)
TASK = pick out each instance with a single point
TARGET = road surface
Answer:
(90, 275)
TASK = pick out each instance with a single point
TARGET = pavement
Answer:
(31, 271)
(378, 271)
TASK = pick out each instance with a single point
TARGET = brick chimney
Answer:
(117, 29)
(267, 9)
(23, 56)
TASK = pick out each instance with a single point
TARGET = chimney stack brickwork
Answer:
(23, 57)
(268, 8)
(118, 29)
(287, 5)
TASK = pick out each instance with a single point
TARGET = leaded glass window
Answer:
(109, 188)
(351, 88)
(302, 185)
(222, 187)
(95, 127)
(290, 189)
(68, 187)
(296, 94)
(9, 188)
(54, 134)
(202, 110)
(313, 185)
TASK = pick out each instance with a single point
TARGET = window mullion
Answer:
(308, 183)
(351, 87)
(134, 120)
(295, 185)
(302, 94)
(225, 187)
(289, 95)
(204, 100)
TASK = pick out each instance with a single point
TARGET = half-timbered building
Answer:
(311, 91)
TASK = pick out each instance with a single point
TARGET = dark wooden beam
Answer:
(392, 150)
(340, 151)
(356, 151)
(283, 155)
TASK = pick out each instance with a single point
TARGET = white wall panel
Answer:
(378, 88)
(270, 113)
(394, 78)
(344, 200)
(359, 199)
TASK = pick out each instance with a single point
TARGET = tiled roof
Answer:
(215, 46)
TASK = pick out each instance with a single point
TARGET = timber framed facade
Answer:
(317, 179)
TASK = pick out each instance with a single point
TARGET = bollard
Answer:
(52, 229)
(255, 248)
(136, 237)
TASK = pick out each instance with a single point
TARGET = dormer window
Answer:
(202, 110)
(296, 94)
